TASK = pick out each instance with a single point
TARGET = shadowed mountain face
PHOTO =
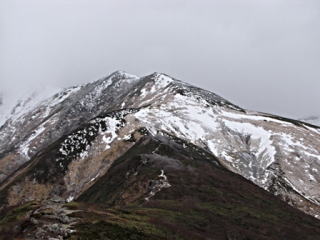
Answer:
(196, 197)
(165, 188)
(155, 158)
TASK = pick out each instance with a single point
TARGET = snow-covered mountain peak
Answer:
(158, 76)
(268, 150)
(161, 80)
(120, 74)
(16, 109)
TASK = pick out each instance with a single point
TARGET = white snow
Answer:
(94, 178)
(70, 198)
(160, 183)
(291, 144)
(17, 108)
(162, 175)
(55, 100)
(126, 137)
(110, 134)
(301, 192)
(24, 147)
(259, 134)
(251, 116)
(161, 82)
(74, 141)
(125, 75)
(183, 117)
(227, 133)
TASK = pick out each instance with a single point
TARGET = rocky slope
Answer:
(162, 188)
(61, 146)
(1, 109)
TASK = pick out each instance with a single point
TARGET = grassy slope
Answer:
(204, 201)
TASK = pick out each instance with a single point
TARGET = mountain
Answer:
(147, 151)
(161, 188)
(12, 107)
(1, 108)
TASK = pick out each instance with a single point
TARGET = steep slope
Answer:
(184, 191)
(2, 112)
(74, 137)
(35, 123)
(1, 108)
(164, 188)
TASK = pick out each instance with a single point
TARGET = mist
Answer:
(259, 54)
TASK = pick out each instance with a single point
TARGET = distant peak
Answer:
(122, 75)
(310, 118)
(159, 76)
(161, 80)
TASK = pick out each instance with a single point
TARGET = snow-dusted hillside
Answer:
(98, 119)
(1, 109)
(15, 108)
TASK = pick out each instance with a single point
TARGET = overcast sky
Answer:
(260, 54)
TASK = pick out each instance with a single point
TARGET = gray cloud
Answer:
(260, 54)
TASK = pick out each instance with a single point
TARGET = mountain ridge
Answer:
(63, 146)
(163, 188)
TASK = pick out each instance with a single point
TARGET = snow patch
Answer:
(259, 134)
(70, 199)
(157, 185)
(25, 146)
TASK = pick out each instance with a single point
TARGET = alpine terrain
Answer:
(129, 157)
